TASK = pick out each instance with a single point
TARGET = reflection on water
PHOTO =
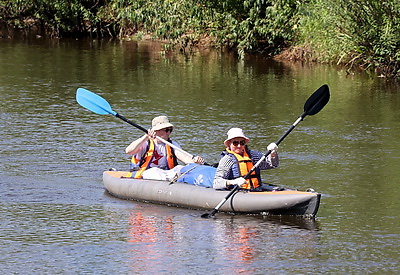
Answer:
(235, 244)
(143, 238)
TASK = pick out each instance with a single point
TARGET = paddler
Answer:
(237, 160)
(153, 159)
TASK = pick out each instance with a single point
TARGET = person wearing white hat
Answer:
(148, 152)
(237, 160)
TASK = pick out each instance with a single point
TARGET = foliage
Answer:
(261, 25)
(245, 25)
(350, 32)
(355, 33)
(57, 17)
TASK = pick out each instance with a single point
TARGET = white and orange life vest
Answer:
(138, 166)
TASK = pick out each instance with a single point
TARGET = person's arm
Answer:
(273, 160)
(183, 157)
(136, 145)
(222, 174)
(270, 162)
(187, 159)
(273, 157)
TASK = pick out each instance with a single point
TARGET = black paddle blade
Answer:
(206, 216)
(211, 215)
(317, 100)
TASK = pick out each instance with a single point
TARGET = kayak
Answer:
(273, 201)
(185, 194)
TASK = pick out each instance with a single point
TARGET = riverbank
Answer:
(345, 33)
(295, 54)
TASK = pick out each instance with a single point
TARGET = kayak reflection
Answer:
(158, 236)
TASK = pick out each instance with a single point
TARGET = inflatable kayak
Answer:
(274, 201)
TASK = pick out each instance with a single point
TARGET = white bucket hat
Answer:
(234, 133)
(160, 122)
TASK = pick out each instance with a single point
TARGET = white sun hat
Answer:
(235, 133)
(160, 122)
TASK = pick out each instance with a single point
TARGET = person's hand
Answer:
(198, 160)
(151, 134)
(272, 147)
(238, 181)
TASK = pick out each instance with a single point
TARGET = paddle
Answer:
(313, 105)
(99, 105)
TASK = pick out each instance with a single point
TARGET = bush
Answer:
(354, 33)
(53, 17)
(348, 32)
(260, 25)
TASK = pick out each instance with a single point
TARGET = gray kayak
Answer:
(272, 202)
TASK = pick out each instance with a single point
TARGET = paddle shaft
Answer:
(312, 106)
(277, 143)
(97, 104)
(157, 137)
(235, 188)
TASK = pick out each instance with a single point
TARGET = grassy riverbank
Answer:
(355, 34)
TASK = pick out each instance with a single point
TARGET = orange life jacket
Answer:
(144, 162)
(243, 164)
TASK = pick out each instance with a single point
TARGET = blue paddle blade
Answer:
(93, 102)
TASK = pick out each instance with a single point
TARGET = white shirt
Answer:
(159, 156)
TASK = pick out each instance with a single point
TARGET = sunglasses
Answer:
(236, 142)
(168, 129)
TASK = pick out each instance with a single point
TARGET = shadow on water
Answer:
(294, 221)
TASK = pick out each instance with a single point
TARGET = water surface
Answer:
(57, 218)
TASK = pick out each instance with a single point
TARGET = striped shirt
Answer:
(226, 163)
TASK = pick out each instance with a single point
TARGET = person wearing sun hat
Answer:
(237, 160)
(148, 152)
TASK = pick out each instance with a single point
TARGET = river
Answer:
(57, 218)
